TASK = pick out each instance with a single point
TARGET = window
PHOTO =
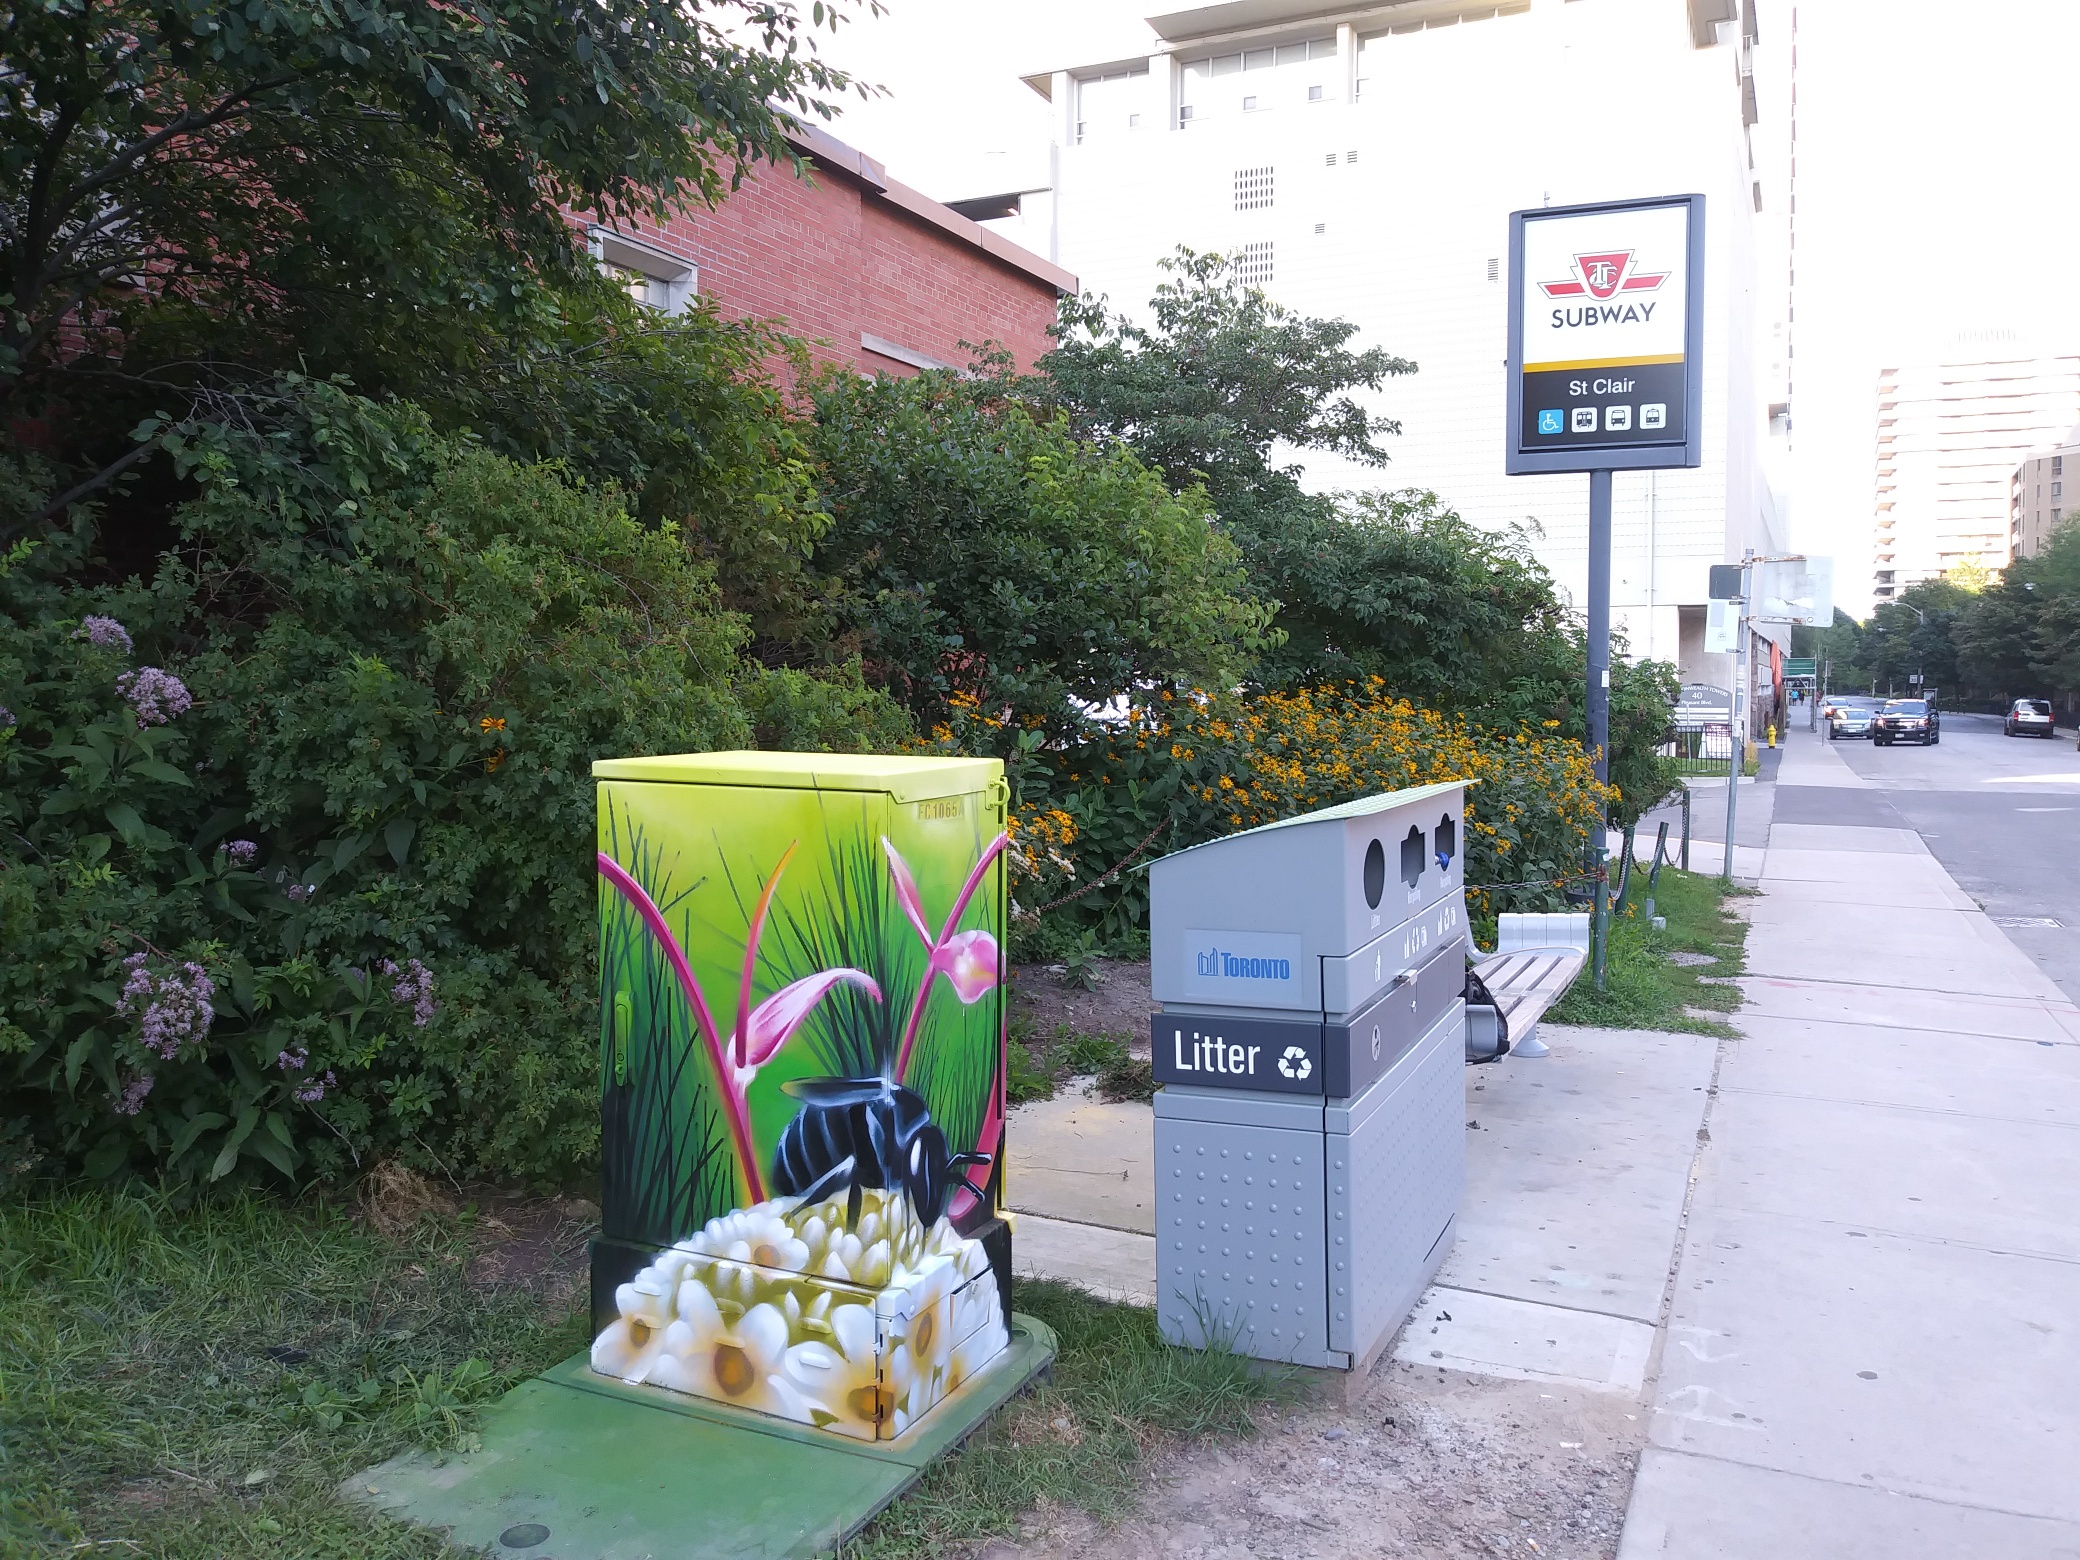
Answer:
(1329, 161)
(1184, 115)
(654, 277)
(2058, 490)
(1494, 270)
(1253, 264)
(1253, 189)
(2058, 465)
(1321, 227)
(1286, 75)
(1105, 105)
(1350, 156)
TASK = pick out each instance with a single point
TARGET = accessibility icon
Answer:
(1295, 1063)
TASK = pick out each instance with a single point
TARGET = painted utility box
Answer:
(802, 1056)
(1310, 1148)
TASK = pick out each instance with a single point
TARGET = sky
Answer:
(1935, 148)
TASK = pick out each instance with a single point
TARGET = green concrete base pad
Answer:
(575, 1466)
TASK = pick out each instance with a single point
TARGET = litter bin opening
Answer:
(1412, 857)
(1375, 874)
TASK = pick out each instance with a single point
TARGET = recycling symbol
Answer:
(1294, 1064)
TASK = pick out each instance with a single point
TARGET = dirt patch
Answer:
(533, 1243)
(1426, 1463)
(1042, 1001)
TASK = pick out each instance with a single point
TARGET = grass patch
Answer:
(195, 1381)
(1081, 1439)
(1643, 987)
(1039, 1065)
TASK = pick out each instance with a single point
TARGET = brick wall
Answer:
(846, 253)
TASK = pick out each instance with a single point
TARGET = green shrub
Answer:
(319, 886)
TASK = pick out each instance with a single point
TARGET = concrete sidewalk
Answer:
(1872, 1349)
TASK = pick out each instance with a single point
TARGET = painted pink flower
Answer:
(906, 891)
(968, 960)
(785, 1011)
(969, 963)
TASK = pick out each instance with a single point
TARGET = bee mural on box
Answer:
(802, 1038)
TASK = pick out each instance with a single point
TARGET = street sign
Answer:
(1722, 627)
(1801, 666)
(1723, 582)
(1794, 590)
(1606, 328)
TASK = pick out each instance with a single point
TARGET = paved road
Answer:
(2002, 814)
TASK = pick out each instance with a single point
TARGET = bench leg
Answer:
(1529, 1044)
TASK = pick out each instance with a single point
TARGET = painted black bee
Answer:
(862, 1132)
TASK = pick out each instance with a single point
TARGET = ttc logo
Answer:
(1295, 1064)
(1603, 277)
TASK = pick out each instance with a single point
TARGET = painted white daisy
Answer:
(631, 1345)
(843, 1380)
(732, 1362)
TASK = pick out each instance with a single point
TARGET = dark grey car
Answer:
(1907, 720)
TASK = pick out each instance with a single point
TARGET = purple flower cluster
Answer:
(6, 717)
(156, 696)
(293, 1061)
(171, 1010)
(313, 1090)
(414, 985)
(299, 892)
(242, 852)
(103, 633)
(131, 1100)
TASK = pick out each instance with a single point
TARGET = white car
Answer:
(2028, 718)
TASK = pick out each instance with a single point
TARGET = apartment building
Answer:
(2037, 501)
(1361, 160)
(1950, 437)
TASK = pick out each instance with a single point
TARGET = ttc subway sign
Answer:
(1605, 326)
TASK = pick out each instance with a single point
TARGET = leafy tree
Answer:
(1222, 377)
(1387, 584)
(986, 553)
(355, 187)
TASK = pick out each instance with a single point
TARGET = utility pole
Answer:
(1736, 727)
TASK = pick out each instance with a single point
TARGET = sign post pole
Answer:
(1598, 708)
(1606, 373)
(1736, 727)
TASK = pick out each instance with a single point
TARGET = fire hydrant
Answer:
(1772, 735)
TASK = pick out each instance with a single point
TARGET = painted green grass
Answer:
(1082, 1438)
(192, 1383)
(1643, 988)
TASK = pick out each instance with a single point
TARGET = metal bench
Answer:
(1536, 959)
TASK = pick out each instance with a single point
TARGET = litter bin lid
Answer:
(1364, 806)
(906, 778)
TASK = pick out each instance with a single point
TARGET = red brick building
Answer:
(866, 270)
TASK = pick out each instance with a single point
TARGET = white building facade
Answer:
(1361, 162)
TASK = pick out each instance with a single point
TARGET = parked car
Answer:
(2028, 718)
(1907, 720)
(1848, 720)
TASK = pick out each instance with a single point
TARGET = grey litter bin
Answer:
(1309, 1126)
